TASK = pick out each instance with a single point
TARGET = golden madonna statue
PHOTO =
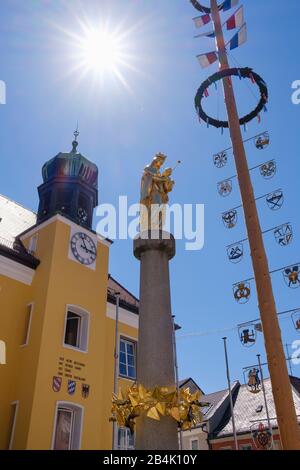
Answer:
(155, 189)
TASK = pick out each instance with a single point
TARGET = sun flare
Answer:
(101, 51)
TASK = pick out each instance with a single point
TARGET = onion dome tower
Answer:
(69, 188)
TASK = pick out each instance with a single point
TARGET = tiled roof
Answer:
(191, 384)
(15, 219)
(127, 300)
(214, 400)
(245, 406)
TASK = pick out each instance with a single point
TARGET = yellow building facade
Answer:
(57, 320)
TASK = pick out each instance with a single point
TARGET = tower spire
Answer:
(75, 142)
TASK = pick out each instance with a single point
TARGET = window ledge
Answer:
(73, 348)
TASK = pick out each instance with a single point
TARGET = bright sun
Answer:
(101, 51)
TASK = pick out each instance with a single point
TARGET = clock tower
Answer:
(69, 188)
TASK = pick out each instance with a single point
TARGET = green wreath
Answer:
(239, 72)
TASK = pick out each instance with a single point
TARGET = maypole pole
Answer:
(285, 409)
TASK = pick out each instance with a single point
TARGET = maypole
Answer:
(285, 409)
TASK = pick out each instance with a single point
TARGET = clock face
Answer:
(83, 248)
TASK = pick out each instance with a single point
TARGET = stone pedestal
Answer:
(155, 359)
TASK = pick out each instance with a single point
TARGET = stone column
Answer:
(155, 359)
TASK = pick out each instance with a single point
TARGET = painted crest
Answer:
(56, 383)
(230, 218)
(261, 436)
(296, 319)
(225, 188)
(220, 159)
(85, 390)
(262, 141)
(242, 292)
(284, 235)
(291, 276)
(268, 170)
(275, 200)
(235, 252)
(252, 379)
(247, 334)
(71, 387)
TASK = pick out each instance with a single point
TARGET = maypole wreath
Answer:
(245, 72)
(206, 10)
(184, 407)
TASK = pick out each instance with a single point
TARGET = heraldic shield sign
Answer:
(242, 292)
(85, 390)
(262, 141)
(220, 159)
(252, 379)
(247, 335)
(261, 436)
(235, 252)
(291, 276)
(230, 218)
(296, 319)
(275, 200)
(71, 387)
(56, 383)
(225, 188)
(268, 169)
(284, 235)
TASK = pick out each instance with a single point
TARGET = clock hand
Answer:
(87, 250)
(83, 241)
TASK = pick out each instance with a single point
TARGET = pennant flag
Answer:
(236, 20)
(209, 34)
(228, 4)
(239, 38)
(202, 20)
(207, 59)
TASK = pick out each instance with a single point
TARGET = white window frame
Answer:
(119, 445)
(194, 439)
(13, 428)
(29, 306)
(84, 328)
(76, 435)
(134, 342)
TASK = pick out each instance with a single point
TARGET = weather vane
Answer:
(75, 142)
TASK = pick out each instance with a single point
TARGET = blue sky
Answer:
(122, 127)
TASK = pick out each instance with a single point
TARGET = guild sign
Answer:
(284, 235)
(275, 200)
(220, 159)
(253, 380)
(262, 141)
(56, 383)
(230, 218)
(85, 390)
(241, 292)
(262, 437)
(247, 336)
(291, 276)
(71, 387)
(296, 320)
(235, 252)
(225, 188)
(268, 170)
